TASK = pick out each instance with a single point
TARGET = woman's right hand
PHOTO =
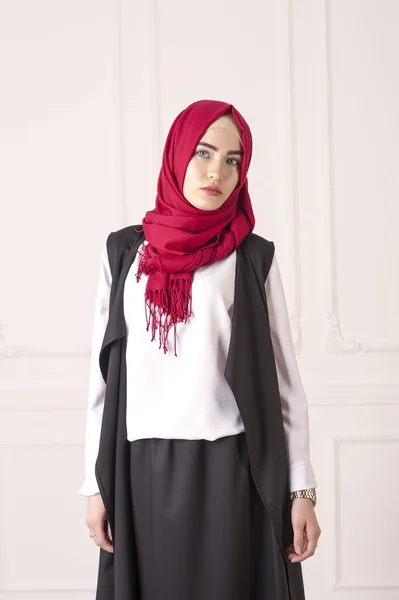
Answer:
(96, 515)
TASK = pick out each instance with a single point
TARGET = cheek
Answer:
(235, 178)
(187, 179)
(194, 174)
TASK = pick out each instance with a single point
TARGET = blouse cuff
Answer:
(301, 476)
(89, 488)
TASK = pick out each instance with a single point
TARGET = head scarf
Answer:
(180, 237)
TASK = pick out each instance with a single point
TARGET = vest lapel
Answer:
(251, 374)
(116, 326)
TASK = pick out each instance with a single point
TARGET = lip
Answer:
(212, 190)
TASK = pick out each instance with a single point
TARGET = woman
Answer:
(198, 475)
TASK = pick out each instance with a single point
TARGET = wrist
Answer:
(302, 501)
(308, 494)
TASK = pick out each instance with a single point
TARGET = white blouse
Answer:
(187, 397)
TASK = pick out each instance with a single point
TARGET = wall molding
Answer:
(140, 91)
(295, 317)
(347, 393)
(339, 584)
(42, 591)
(121, 111)
(337, 342)
(8, 351)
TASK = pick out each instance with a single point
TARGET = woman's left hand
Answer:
(306, 530)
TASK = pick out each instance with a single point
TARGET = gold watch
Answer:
(310, 494)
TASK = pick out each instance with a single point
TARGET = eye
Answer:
(204, 154)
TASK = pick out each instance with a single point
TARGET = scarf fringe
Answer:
(166, 307)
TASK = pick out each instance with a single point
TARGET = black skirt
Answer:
(201, 530)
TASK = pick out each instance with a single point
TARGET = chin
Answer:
(211, 206)
(205, 203)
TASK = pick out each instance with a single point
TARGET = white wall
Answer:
(88, 92)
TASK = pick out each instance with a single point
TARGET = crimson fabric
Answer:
(180, 237)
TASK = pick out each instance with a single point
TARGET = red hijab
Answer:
(180, 237)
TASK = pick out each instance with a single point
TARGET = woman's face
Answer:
(216, 162)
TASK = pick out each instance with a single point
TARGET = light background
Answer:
(89, 89)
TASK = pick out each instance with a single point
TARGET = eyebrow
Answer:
(216, 149)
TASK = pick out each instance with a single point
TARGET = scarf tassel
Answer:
(166, 308)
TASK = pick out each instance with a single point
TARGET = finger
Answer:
(308, 553)
(109, 533)
(105, 544)
(294, 558)
(100, 538)
(298, 540)
(290, 550)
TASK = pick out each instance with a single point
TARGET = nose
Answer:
(215, 171)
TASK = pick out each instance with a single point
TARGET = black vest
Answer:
(251, 374)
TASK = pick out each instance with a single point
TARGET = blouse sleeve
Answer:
(293, 400)
(97, 385)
